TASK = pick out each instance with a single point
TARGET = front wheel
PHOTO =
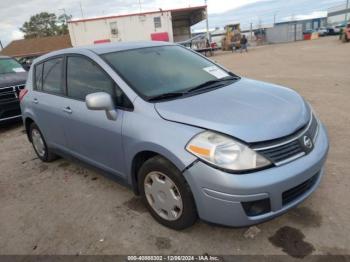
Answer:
(166, 194)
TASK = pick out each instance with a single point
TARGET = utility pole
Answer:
(81, 9)
(207, 22)
(346, 12)
(251, 31)
(140, 6)
(65, 14)
(260, 24)
(274, 19)
(1, 45)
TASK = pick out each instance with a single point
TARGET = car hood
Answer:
(249, 110)
(13, 79)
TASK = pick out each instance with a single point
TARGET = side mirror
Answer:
(101, 101)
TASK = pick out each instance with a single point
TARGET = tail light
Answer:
(22, 93)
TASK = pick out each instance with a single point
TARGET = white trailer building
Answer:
(164, 25)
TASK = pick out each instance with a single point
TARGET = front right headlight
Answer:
(225, 152)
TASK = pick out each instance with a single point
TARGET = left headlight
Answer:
(225, 152)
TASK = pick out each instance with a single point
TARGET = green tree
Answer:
(45, 24)
(63, 23)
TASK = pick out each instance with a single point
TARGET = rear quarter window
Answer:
(38, 77)
(52, 80)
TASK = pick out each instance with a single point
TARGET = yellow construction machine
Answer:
(232, 37)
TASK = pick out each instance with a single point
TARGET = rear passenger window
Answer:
(85, 77)
(38, 77)
(52, 76)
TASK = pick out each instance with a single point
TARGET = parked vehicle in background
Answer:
(26, 62)
(190, 137)
(323, 31)
(200, 44)
(12, 81)
(331, 31)
(337, 29)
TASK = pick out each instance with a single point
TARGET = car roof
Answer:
(106, 48)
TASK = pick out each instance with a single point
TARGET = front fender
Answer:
(151, 133)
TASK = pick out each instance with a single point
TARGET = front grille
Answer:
(283, 152)
(288, 149)
(295, 192)
(10, 93)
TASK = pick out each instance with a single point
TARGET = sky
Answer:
(13, 13)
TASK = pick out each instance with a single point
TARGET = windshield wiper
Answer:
(208, 84)
(212, 83)
(166, 96)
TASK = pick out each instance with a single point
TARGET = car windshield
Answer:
(160, 70)
(9, 65)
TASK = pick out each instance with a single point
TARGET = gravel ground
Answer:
(65, 208)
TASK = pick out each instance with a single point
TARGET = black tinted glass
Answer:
(52, 76)
(85, 77)
(38, 77)
(158, 70)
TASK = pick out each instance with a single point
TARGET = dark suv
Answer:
(12, 81)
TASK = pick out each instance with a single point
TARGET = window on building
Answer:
(53, 76)
(157, 22)
(114, 29)
(308, 26)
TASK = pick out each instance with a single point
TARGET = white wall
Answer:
(130, 28)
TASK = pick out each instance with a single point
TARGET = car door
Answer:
(90, 135)
(48, 95)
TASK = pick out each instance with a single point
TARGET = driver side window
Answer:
(85, 77)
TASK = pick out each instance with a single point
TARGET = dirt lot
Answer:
(64, 208)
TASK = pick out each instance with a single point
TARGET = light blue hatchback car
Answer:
(189, 136)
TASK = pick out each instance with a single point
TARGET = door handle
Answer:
(35, 101)
(67, 110)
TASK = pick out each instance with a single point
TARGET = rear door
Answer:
(47, 100)
(90, 135)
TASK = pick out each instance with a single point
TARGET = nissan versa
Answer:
(192, 138)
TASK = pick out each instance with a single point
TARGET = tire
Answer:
(186, 214)
(46, 155)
